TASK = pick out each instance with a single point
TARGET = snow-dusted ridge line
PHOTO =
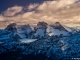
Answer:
(42, 30)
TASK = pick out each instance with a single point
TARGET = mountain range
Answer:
(42, 42)
(42, 30)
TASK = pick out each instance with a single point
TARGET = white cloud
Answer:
(33, 6)
(13, 10)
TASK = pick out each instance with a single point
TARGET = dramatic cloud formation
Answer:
(64, 11)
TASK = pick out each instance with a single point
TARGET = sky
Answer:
(33, 11)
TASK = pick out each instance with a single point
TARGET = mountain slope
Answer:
(64, 48)
(24, 31)
(57, 29)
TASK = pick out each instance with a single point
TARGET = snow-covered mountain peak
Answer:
(42, 25)
(57, 29)
(58, 26)
(23, 31)
(11, 27)
(40, 30)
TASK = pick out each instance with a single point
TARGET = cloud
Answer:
(33, 6)
(54, 5)
(49, 11)
(12, 11)
(2, 18)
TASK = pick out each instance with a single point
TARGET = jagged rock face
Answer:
(11, 30)
(57, 25)
(24, 31)
(11, 27)
(40, 30)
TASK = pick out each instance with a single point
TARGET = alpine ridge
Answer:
(42, 30)
(44, 42)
